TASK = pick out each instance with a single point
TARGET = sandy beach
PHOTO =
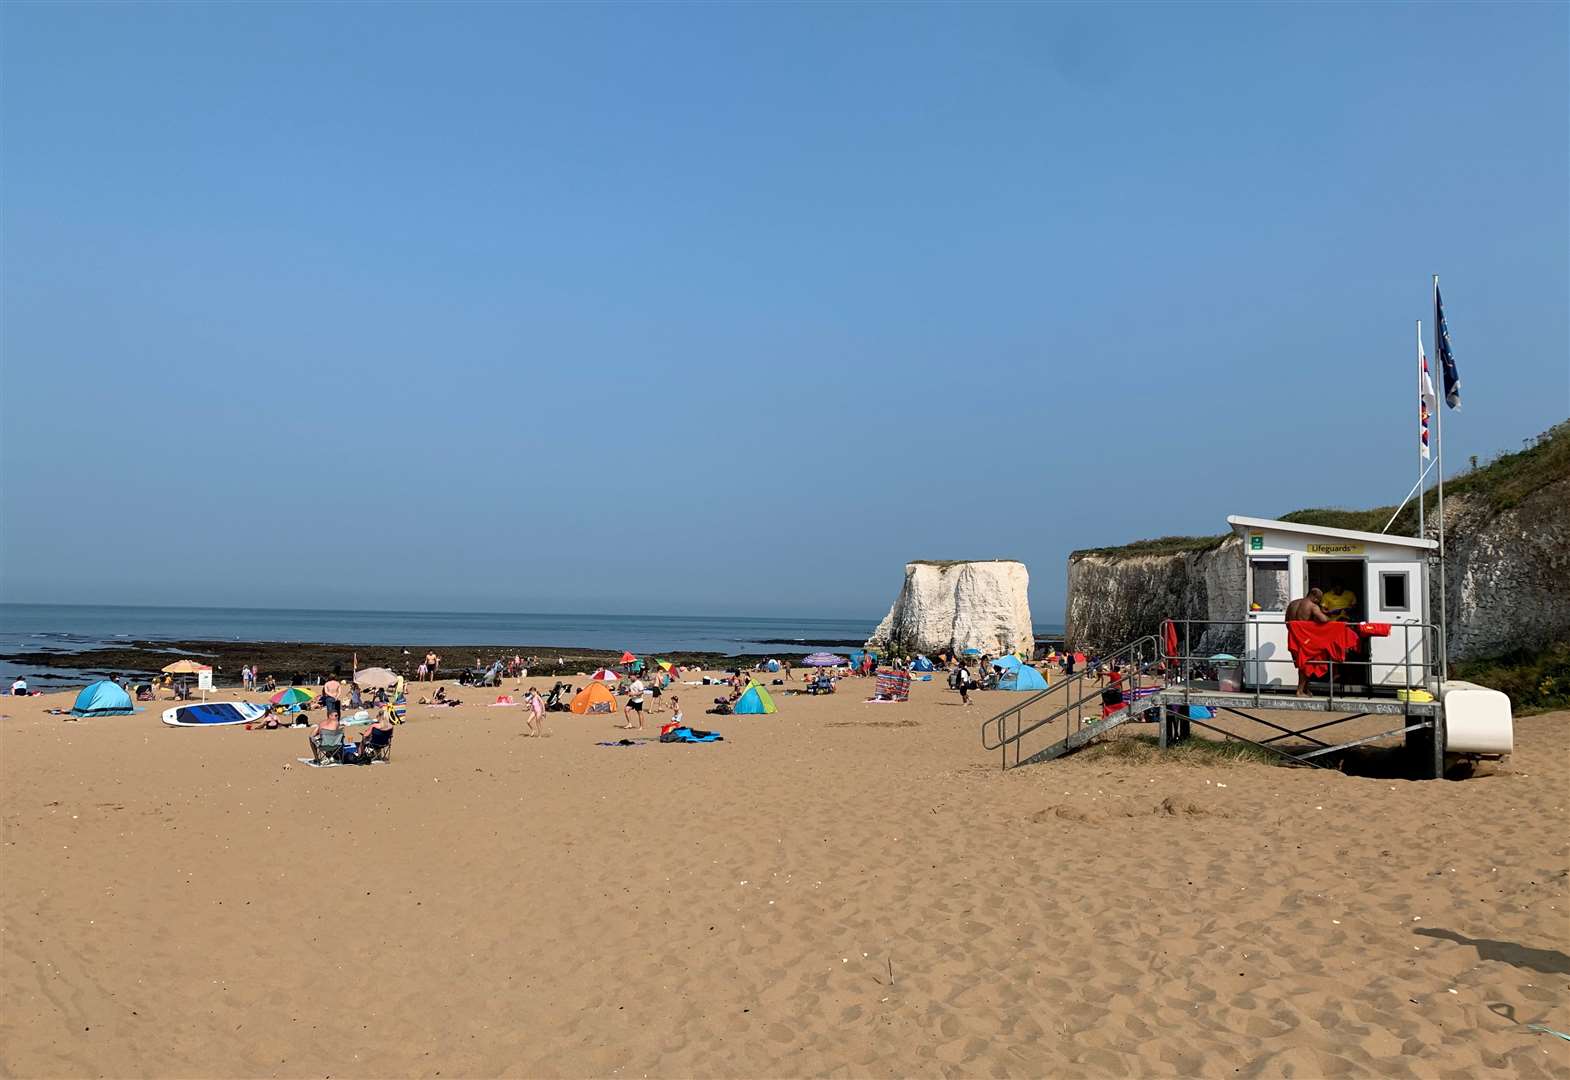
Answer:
(843, 888)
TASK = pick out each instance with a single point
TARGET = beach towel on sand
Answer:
(689, 735)
(1312, 644)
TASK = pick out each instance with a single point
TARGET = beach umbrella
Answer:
(604, 675)
(665, 665)
(823, 659)
(185, 667)
(293, 695)
(627, 658)
(373, 678)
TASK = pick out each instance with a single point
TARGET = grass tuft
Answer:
(1146, 750)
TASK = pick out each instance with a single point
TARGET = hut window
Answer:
(1269, 584)
(1392, 591)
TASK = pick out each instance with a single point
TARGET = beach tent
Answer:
(856, 657)
(772, 665)
(1007, 663)
(605, 675)
(972, 652)
(593, 698)
(1020, 677)
(754, 701)
(921, 664)
(102, 699)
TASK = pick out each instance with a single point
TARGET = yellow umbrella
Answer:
(664, 664)
(185, 667)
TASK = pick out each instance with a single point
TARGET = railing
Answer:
(1253, 663)
(995, 731)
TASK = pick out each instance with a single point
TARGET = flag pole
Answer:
(1422, 466)
(1439, 453)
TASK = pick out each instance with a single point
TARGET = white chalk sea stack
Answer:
(958, 605)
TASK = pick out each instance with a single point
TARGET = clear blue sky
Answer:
(385, 306)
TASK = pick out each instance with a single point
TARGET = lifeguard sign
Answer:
(1366, 577)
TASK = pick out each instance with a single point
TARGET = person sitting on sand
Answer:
(19, 688)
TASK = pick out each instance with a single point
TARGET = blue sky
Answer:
(734, 309)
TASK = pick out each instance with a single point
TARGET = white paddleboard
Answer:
(214, 714)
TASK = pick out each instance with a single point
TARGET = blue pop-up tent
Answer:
(855, 657)
(102, 699)
(754, 702)
(921, 664)
(1018, 676)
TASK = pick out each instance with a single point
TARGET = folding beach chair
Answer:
(377, 745)
(328, 746)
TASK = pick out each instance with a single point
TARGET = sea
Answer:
(71, 628)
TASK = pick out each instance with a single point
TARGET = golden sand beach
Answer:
(841, 889)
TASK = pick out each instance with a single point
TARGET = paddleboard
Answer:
(214, 714)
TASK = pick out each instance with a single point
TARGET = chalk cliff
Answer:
(1507, 572)
(958, 605)
(1115, 597)
(1507, 564)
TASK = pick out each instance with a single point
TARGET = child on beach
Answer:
(536, 716)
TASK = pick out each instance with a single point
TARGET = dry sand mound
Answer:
(801, 899)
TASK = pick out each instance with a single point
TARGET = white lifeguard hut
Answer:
(1366, 577)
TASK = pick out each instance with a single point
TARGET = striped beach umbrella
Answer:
(293, 695)
(823, 659)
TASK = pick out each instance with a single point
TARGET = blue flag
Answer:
(1447, 355)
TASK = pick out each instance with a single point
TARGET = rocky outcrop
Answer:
(1114, 598)
(1507, 572)
(958, 605)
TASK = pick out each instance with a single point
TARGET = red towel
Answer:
(1312, 643)
(1169, 639)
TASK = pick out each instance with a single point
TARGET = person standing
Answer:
(536, 714)
(634, 704)
(330, 691)
(962, 683)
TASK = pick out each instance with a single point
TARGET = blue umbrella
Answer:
(971, 652)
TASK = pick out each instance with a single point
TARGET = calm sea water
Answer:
(71, 628)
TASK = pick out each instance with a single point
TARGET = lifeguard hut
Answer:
(1366, 577)
(1201, 673)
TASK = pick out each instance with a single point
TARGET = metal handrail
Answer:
(1051, 689)
(1426, 632)
(1001, 739)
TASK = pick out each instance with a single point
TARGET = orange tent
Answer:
(594, 698)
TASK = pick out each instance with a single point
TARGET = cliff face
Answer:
(1507, 573)
(1115, 598)
(958, 605)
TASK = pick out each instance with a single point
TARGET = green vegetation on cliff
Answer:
(1503, 482)
(1165, 545)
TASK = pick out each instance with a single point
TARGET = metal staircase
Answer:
(1067, 716)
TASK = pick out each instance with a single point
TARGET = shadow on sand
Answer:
(1547, 961)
